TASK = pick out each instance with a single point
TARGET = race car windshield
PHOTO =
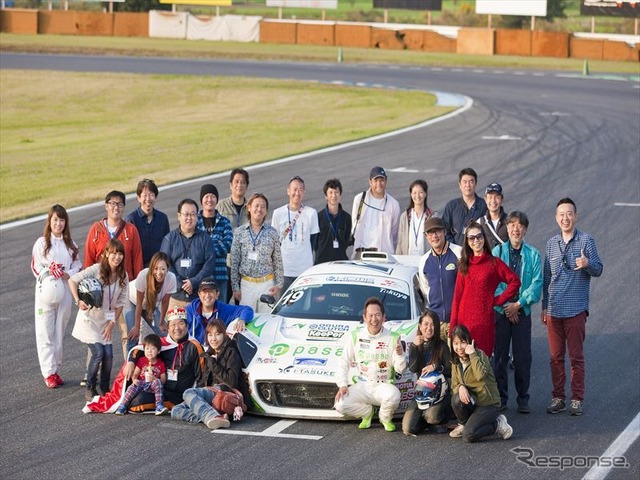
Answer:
(341, 301)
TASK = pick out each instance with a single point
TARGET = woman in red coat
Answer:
(479, 274)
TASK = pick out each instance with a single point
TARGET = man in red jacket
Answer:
(113, 226)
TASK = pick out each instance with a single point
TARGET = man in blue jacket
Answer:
(513, 320)
(191, 254)
(207, 306)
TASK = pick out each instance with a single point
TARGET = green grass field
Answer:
(69, 137)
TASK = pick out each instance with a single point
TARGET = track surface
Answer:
(543, 135)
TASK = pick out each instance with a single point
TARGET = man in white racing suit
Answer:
(377, 354)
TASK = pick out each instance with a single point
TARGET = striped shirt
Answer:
(565, 291)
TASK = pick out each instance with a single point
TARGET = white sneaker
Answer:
(504, 430)
(457, 432)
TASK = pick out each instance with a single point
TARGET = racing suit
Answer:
(376, 361)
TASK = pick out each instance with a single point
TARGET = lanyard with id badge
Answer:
(253, 255)
(110, 315)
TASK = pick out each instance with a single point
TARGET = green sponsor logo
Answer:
(278, 349)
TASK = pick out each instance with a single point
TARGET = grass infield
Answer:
(70, 137)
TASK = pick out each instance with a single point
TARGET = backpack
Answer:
(227, 399)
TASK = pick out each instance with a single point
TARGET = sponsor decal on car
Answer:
(350, 278)
(307, 370)
(318, 362)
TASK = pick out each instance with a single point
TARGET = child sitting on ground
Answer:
(149, 375)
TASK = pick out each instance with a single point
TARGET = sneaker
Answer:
(122, 409)
(83, 382)
(524, 408)
(457, 432)
(557, 406)
(576, 408)
(504, 430)
(161, 410)
(50, 382)
(388, 426)
(58, 380)
(218, 422)
(366, 421)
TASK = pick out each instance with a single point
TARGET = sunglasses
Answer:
(474, 238)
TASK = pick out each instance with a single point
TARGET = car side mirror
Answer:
(268, 299)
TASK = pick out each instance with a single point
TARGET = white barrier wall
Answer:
(183, 25)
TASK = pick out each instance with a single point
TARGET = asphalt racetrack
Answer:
(542, 135)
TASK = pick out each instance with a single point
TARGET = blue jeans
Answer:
(197, 406)
(129, 316)
(101, 359)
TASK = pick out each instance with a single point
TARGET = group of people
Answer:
(478, 277)
(479, 280)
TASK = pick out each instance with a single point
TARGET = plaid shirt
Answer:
(565, 291)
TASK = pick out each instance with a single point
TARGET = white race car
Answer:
(291, 355)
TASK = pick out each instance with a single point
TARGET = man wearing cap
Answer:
(191, 254)
(493, 223)
(459, 212)
(297, 226)
(438, 271)
(218, 228)
(375, 216)
(207, 306)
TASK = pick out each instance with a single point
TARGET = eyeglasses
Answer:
(116, 204)
(188, 215)
(433, 232)
(475, 238)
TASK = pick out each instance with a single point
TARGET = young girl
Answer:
(479, 274)
(428, 353)
(56, 253)
(153, 286)
(95, 326)
(149, 375)
(411, 233)
(222, 365)
(475, 398)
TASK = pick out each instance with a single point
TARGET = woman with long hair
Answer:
(411, 228)
(479, 274)
(256, 260)
(428, 353)
(149, 299)
(94, 326)
(54, 255)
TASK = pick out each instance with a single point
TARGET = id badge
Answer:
(185, 263)
(110, 316)
(253, 256)
(172, 374)
(336, 244)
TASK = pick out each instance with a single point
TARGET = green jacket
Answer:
(478, 378)
(530, 276)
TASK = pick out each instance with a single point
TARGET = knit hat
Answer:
(206, 189)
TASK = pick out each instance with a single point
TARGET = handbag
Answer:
(227, 399)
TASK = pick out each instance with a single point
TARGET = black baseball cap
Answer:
(208, 283)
